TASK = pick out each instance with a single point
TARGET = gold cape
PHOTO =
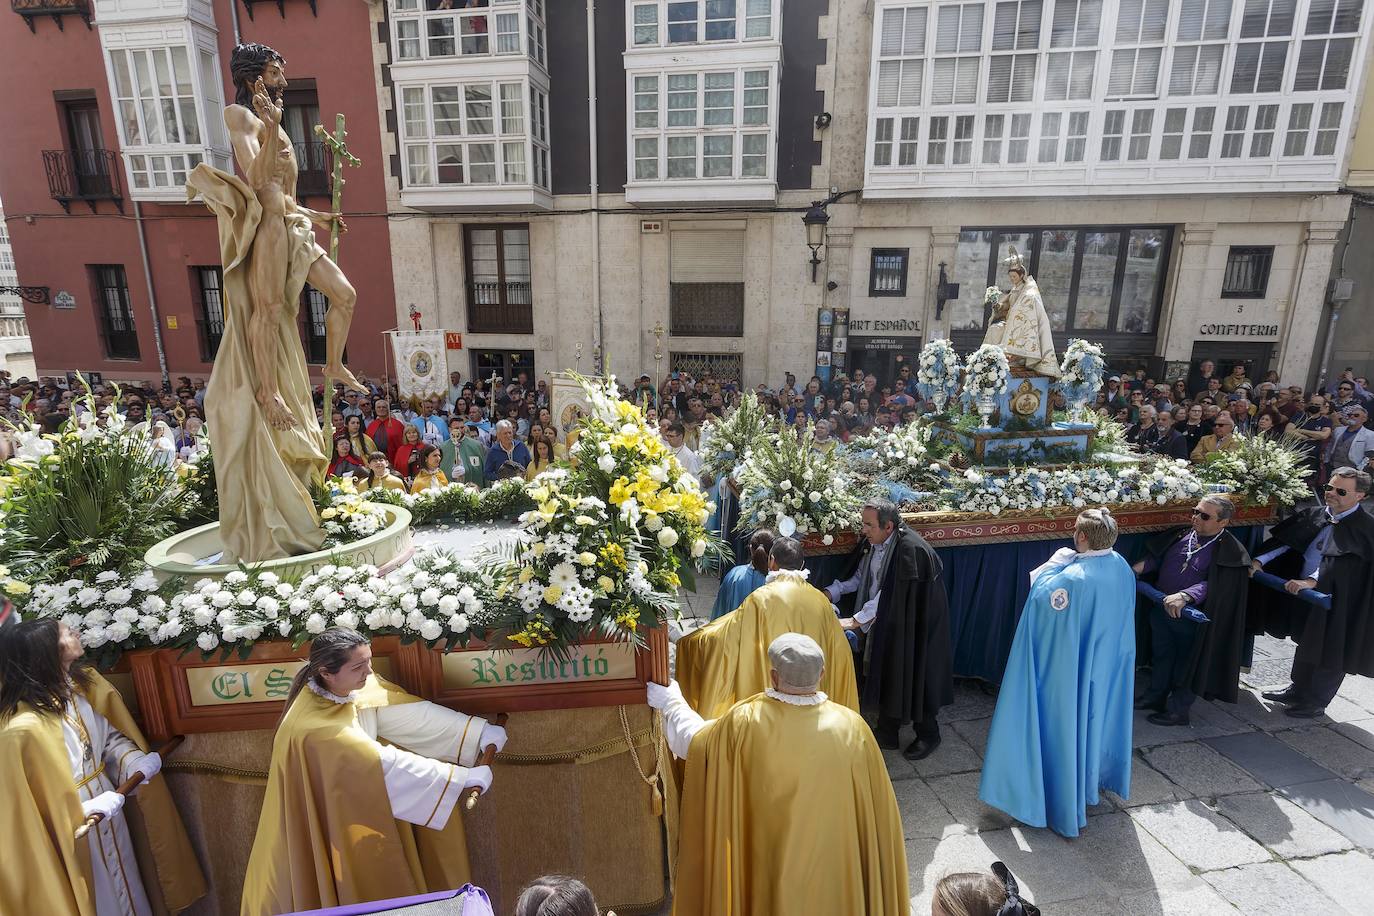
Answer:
(727, 660)
(44, 867)
(789, 809)
(327, 836)
(263, 474)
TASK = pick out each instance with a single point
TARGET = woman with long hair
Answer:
(542, 458)
(344, 462)
(739, 583)
(408, 455)
(66, 741)
(360, 442)
(1269, 423)
(368, 800)
(556, 895)
(974, 894)
(428, 475)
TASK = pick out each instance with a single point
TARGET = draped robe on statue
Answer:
(727, 660)
(263, 474)
(788, 808)
(1026, 331)
(342, 819)
(1062, 727)
(45, 775)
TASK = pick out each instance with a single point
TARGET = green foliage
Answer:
(726, 443)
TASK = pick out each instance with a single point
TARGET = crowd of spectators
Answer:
(483, 430)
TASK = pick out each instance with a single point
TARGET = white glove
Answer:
(478, 778)
(147, 764)
(492, 734)
(660, 696)
(106, 804)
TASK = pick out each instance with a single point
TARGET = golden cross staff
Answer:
(335, 143)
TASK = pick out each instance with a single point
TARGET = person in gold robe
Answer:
(66, 741)
(787, 806)
(342, 819)
(727, 660)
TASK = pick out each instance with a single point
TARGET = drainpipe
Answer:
(152, 296)
(595, 188)
(234, 16)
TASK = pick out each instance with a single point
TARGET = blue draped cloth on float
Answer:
(739, 583)
(1062, 727)
(987, 586)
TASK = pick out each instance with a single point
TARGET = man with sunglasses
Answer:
(1330, 549)
(1206, 567)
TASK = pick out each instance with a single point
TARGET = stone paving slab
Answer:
(970, 702)
(1346, 877)
(1337, 803)
(1361, 732)
(1148, 787)
(975, 732)
(1332, 750)
(1268, 673)
(954, 755)
(1199, 836)
(1200, 769)
(1269, 889)
(1199, 899)
(1281, 826)
(959, 793)
(923, 815)
(1048, 868)
(1262, 714)
(1127, 859)
(1268, 759)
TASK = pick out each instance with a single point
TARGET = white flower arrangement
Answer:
(992, 295)
(1261, 469)
(114, 610)
(726, 443)
(1032, 489)
(938, 371)
(350, 518)
(1081, 372)
(988, 372)
(902, 456)
(790, 487)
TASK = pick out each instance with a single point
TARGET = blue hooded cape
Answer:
(1062, 728)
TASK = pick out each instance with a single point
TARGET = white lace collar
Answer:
(1095, 553)
(319, 691)
(792, 699)
(793, 575)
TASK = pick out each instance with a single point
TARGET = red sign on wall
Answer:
(453, 340)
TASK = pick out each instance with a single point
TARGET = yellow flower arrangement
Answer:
(535, 633)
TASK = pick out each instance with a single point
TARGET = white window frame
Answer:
(657, 128)
(638, 28)
(1226, 141)
(412, 22)
(144, 161)
(530, 142)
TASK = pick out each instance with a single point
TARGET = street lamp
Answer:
(815, 221)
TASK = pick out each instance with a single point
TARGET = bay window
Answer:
(660, 23)
(702, 125)
(479, 133)
(447, 29)
(168, 106)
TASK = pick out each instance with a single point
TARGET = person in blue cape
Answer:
(1062, 727)
(739, 583)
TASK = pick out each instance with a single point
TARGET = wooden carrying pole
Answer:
(128, 786)
(487, 756)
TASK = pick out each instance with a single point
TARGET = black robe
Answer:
(1343, 637)
(1276, 613)
(1214, 670)
(910, 671)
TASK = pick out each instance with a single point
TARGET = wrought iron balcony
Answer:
(500, 308)
(31, 9)
(314, 163)
(88, 175)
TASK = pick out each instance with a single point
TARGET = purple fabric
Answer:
(382, 906)
(1179, 574)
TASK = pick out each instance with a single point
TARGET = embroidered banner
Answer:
(421, 362)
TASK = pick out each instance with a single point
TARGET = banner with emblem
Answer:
(421, 363)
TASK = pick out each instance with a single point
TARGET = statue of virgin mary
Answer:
(1020, 325)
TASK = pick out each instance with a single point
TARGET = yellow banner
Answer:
(251, 682)
(465, 669)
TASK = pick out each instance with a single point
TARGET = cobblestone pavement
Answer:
(1247, 810)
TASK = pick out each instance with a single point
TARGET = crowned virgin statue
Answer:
(1019, 323)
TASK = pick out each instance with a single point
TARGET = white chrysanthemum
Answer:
(235, 577)
(207, 641)
(564, 575)
(105, 576)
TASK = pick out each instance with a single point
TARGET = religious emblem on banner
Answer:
(420, 363)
